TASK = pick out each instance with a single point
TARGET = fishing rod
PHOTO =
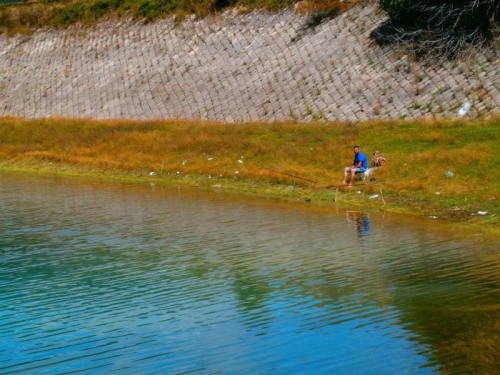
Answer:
(290, 175)
(337, 187)
(358, 184)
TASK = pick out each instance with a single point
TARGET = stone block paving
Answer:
(253, 67)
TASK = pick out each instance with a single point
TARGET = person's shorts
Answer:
(358, 170)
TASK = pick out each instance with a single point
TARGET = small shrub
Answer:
(443, 28)
(71, 14)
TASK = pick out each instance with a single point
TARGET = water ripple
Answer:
(102, 278)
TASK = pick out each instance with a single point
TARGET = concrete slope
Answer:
(252, 67)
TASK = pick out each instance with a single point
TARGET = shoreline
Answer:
(435, 168)
(299, 194)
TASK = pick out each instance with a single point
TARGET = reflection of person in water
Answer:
(362, 221)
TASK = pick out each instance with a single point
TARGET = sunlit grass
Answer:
(419, 154)
(25, 18)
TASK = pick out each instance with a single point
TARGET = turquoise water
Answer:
(101, 278)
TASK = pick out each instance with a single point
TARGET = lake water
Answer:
(101, 278)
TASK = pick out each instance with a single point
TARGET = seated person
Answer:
(359, 166)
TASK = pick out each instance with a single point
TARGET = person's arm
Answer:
(354, 164)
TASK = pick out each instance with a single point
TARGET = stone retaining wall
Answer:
(252, 67)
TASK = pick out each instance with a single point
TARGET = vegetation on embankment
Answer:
(439, 27)
(14, 19)
(235, 156)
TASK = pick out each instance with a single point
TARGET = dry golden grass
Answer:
(24, 18)
(419, 153)
(305, 7)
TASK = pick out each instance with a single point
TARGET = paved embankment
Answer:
(250, 67)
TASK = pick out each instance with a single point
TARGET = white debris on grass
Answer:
(437, 193)
(152, 173)
(374, 196)
(464, 109)
(236, 172)
(210, 159)
(184, 162)
(449, 174)
(482, 213)
(240, 161)
(369, 171)
(434, 217)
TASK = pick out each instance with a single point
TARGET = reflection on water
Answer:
(362, 223)
(119, 278)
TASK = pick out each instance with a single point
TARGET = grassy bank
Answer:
(36, 14)
(235, 157)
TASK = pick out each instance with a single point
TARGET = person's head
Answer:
(356, 149)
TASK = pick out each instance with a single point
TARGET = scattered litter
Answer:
(240, 161)
(151, 173)
(464, 109)
(434, 217)
(449, 174)
(289, 187)
(456, 208)
(209, 176)
(369, 171)
(374, 196)
(216, 186)
(482, 213)
(210, 159)
(184, 162)
(437, 193)
(236, 172)
(178, 172)
(358, 192)
(220, 175)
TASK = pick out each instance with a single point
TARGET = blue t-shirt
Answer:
(360, 157)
